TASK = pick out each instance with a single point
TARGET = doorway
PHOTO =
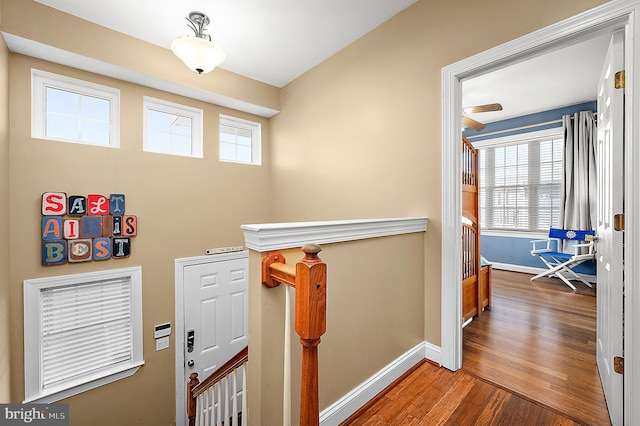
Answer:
(606, 18)
(211, 317)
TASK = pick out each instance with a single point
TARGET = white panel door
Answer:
(610, 242)
(215, 315)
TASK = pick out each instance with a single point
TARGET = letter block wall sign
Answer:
(116, 204)
(54, 252)
(71, 229)
(54, 203)
(78, 228)
(97, 204)
(121, 247)
(51, 228)
(101, 248)
(77, 205)
(80, 250)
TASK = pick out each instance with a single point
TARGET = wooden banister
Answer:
(310, 281)
(195, 387)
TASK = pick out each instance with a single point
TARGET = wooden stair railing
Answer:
(201, 395)
(309, 278)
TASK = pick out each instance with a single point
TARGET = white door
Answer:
(610, 242)
(215, 315)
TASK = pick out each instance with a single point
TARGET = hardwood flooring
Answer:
(530, 360)
(431, 395)
(538, 340)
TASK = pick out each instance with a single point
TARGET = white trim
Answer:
(180, 264)
(41, 80)
(172, 108)
(600, 20)
(514, 234)
(340, 410)
(32, 346)
(532, 270)
(553, 133)
(256, 138)
(275, 236)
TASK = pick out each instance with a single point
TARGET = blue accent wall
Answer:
(517, 250)
(531, 122)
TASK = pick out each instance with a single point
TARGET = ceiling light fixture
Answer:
(198, 53)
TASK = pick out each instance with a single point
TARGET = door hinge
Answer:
(618, 364)
(619, 80)
(618, 222)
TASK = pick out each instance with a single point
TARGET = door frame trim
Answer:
(180, 265)
(617, 14)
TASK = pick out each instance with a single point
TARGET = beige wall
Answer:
(360, 134)
(184, 205)
(5, 260)
(374, 314)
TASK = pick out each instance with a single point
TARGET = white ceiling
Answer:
(273, 41)
(563, 77)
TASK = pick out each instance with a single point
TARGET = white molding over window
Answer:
(240, 125)
(129, 281)
(275, 236)
(195, 115)
(42, 80)
(553, 133)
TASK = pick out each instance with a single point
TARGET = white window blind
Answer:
(85, 328)
(81, 331)
(520, 185)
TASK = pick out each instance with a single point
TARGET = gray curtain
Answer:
(578, 197)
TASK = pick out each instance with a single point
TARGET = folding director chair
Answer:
(561, 263)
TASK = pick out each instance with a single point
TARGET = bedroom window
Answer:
(520, 184)
(80, 332)
(172, 128)
(70, 110)
(240, 141)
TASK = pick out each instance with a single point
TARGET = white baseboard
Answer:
(532, 270)
(339, 411)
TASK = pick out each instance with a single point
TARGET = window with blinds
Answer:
(80, 329)
(520, 184)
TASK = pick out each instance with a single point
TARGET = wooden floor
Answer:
(537, 343)
(433, 395)
(538, 340)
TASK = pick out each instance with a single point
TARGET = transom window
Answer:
(172, 128)
(240, 140)
(520, 184)
(71, 110)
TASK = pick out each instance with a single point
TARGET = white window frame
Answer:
(195, 114)
(546, 134)
(41, 80)
(256, 138)
(34, 392)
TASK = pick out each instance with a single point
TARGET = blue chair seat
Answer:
(561, 263)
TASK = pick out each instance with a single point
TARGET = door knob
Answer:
(190, 363)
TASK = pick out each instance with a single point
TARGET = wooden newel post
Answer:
(310, 323)
(191, 401)
(309, 278)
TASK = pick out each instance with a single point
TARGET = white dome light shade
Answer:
(199, 54)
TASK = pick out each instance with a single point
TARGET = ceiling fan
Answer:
(473, 124)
